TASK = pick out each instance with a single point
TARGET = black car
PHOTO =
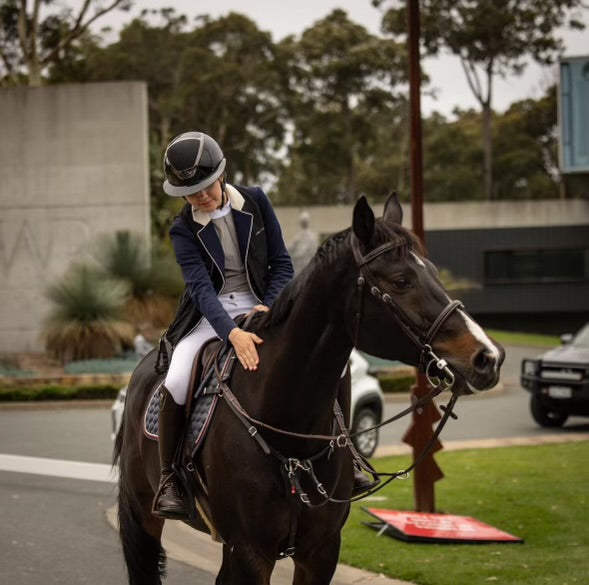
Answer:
(558, 381)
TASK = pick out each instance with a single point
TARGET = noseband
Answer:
(427, 357)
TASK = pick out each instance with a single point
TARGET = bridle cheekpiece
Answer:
(427, 358)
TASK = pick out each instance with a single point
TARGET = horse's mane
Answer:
(326, 253)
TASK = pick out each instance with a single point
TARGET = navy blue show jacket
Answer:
(202, 261)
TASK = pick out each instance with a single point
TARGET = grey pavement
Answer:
(198, 550)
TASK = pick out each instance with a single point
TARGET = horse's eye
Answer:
(401, 283)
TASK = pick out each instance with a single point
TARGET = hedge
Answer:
(101, 392)
(391, 383)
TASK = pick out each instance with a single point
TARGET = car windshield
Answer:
(582, 338)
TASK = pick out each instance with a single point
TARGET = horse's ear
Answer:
(392, 209)
(363, 224)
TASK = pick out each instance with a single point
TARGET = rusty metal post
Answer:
(421, 429)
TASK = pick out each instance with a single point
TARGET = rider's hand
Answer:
(245, 343)
(262, 308)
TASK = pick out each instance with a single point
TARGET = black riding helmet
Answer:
(192, 162)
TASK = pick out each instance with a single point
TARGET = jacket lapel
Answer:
(209, 238)
(243, 227)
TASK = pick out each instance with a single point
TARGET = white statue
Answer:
(305, 243)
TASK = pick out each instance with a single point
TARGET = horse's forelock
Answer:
(408, 242)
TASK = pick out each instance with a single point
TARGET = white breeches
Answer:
(178, 376)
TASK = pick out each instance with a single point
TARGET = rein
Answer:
(441, 379)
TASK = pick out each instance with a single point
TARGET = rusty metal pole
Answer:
(421, 429)
(413, 25)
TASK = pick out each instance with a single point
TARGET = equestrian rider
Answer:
(228, 243)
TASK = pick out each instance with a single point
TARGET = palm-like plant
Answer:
(86, 318)
(154, 280)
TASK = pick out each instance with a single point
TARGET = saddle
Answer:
(213, 359)
(201, 401)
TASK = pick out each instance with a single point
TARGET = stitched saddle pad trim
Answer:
(200, 418)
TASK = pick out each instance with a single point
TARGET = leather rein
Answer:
(293, 469)
(428, 359)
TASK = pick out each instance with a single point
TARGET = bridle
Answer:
(440, 379)
(427, 358)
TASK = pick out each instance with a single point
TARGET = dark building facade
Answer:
(529, 259)
(527, 278)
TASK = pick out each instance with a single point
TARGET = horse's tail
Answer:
(116, 452)
(144, 555)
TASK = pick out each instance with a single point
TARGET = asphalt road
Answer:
(54, 530)
(500, 413)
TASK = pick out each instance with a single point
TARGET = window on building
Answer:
(555, 265)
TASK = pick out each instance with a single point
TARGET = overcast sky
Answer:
(284, 17)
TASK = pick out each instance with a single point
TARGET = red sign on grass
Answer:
(422, 527)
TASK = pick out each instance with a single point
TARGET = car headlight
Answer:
(529, 367)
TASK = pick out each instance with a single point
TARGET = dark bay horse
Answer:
(370, 287)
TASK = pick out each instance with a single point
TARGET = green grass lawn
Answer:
(531, 339)
(540, 494)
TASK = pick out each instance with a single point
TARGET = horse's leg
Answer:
(224, 574)
(139, 530)
(242, 566)
(316, 566)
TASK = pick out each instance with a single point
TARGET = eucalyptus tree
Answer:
(233, 92)
(492, 38)
(525, 140)
(451, 157)
(36, 34)
(215, 75)
(342, 83)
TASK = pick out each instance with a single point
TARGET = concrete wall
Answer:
(73, 165)
(450, 216)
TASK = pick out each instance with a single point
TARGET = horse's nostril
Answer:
(482, 360)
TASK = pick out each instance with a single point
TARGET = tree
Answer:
(341, 81)
(34, 35)
(525, 139)
(491, 37)
(451, 153)
(220, 76)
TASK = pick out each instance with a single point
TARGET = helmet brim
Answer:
(174, 191)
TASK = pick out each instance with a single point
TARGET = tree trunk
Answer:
(35, 79)
(488, 150)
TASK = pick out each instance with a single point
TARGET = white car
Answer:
(367, 405)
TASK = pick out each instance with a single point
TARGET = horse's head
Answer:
(402, 310)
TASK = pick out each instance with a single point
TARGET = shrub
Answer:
(85, 321)
(154, 280)
(103, 392)
(393, 383)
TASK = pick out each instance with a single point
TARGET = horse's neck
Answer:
(313, 342)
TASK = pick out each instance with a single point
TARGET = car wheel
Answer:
(545, 417)
(366, 442)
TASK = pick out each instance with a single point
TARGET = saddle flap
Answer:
(204, 360)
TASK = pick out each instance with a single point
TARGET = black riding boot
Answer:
(169, 500)
(362, 483)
